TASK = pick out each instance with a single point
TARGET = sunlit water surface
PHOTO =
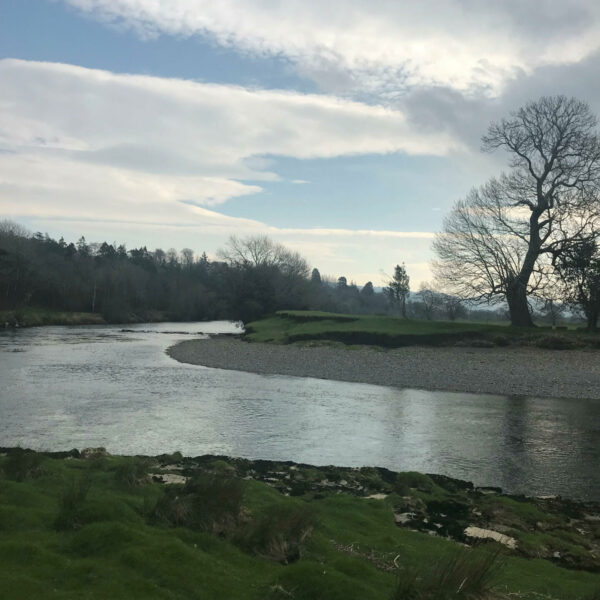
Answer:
(66, 387)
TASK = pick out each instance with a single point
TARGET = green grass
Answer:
(309, 327)
(326, 546)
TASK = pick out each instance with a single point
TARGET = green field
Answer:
(100, 527)
(308, 326)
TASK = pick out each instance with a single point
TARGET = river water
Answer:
(75, 387)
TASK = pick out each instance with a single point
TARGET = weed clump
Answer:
(72, 500)
(466, 574)
(279, 533)
(22, 464)
(207, 502)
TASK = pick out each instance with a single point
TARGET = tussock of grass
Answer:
(72, 499)
(132, 472)
(207, 502)
(462, 575)
(280, 533)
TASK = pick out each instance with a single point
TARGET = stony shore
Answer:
(522, 371)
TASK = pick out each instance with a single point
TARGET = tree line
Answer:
(249, 278)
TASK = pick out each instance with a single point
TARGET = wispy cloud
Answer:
(81, 141)
(380, 46)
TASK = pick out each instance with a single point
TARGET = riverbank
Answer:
(513, 370)
(38, 317)
(88, 524)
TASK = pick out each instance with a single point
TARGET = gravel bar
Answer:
(520, 371)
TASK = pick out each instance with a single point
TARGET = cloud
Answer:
(185, 128)
(83, 142)
(380, 46)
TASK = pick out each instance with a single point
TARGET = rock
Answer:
(403, 518)
(168, 478)
(489, 534)
(88, 453)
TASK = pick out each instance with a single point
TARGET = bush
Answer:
(466, 574)
(71, 503)
(279, 533)
(22, 464)
(207, 502)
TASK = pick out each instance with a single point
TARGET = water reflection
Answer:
(100, 386)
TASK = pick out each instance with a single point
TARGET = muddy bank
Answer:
(522, 371)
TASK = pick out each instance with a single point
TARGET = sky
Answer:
(344, 129)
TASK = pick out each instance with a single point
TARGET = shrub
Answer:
(71, 503)
(207, 502)
(279, 533)
(22, 464)
(466, 574)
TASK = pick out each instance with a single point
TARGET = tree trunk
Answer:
(516, 296)
(403, 306)
(592, 315)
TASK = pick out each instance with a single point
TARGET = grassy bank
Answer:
(99, 526)
(307, 326)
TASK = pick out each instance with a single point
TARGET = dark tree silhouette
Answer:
(579, 270)
(398, 288)
(499, 241)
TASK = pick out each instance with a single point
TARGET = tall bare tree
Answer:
(498, 242)
(261, 251)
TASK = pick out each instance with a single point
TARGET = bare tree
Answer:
(187, 257)
(431, 299)
(11, 228)
(499, 241)
(261, 251)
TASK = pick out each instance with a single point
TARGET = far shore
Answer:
(505, 371)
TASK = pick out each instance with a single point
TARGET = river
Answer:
(76, 387)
